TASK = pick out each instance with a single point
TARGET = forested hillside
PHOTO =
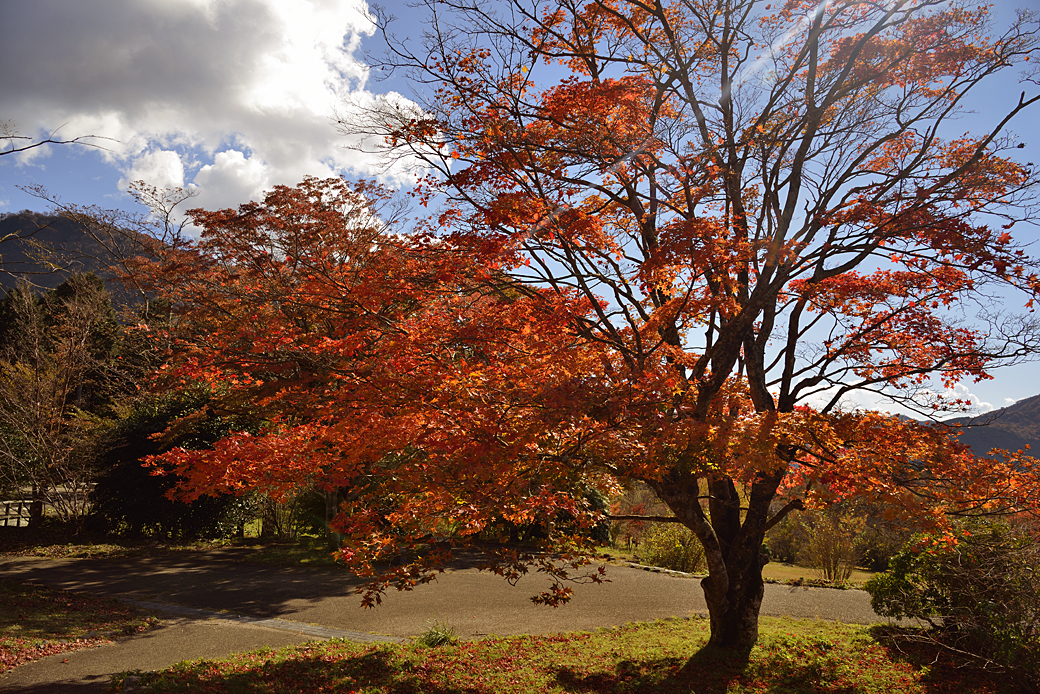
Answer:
(1012, 427)
(45, 249)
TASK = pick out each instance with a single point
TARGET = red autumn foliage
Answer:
(669, 265)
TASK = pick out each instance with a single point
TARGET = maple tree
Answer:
(666, 261)
(767, 207)
(382, 366)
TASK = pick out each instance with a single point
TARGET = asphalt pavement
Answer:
(215, 604)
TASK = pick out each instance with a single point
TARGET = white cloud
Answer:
(954, 402)
(241, 92)
(974, 404)
(161, 168)
(235, 175)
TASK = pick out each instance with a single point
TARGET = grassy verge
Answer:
(801, 575)
(37, 621)
(669, 657)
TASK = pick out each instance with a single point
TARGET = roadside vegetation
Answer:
(666, 657)
(36, 621)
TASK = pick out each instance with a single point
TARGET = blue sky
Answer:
(233, 96)
(236, 96)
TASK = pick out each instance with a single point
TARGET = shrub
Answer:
(880, 542)
(639, 500)
(786, 539)
(128, 499)
(979, 589)
(672, 546)
(830, 543)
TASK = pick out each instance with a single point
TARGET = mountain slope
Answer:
(1012, 427)
(44, 250)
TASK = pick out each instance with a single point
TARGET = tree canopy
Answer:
(672, 237)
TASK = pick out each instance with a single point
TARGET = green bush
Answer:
(880, 542)
(672, 546)
(786, 539)
(129, 499)
(979, 589)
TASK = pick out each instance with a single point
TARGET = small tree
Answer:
(831, 543)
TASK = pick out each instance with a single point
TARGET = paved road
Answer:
(279, 603)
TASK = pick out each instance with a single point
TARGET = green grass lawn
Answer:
(36, 621)
(777, 571)
(666, 657)
(773, 571)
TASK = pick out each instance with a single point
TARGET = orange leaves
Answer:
(916, 50)
(916, 469)
(604, 113)
(644, 268)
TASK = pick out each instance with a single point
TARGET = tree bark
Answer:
(333, 499)
(733, 607)
(732, 543)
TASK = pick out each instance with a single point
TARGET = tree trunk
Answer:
(733, 609)
(732, 540)
(36, 507)
(333, 499)
(268, 520)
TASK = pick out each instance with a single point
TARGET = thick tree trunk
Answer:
(732, 538)
(733, 608)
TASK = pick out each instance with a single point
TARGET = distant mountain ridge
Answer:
(1012, 427)
(45, 249)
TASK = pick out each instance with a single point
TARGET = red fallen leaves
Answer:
(39, 622)
(659, 657)
(17, 651)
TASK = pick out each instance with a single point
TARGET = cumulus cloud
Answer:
(953, 402)
(233, 96)
(971, 402)
(162, 168)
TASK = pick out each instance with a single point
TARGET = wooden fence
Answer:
(15, 513)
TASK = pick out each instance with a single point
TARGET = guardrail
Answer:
(14, 513)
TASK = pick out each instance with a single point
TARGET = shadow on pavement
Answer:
(218, 580)
(209, 582)
(96, 686)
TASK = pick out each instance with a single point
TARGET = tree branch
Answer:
(796, 505)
